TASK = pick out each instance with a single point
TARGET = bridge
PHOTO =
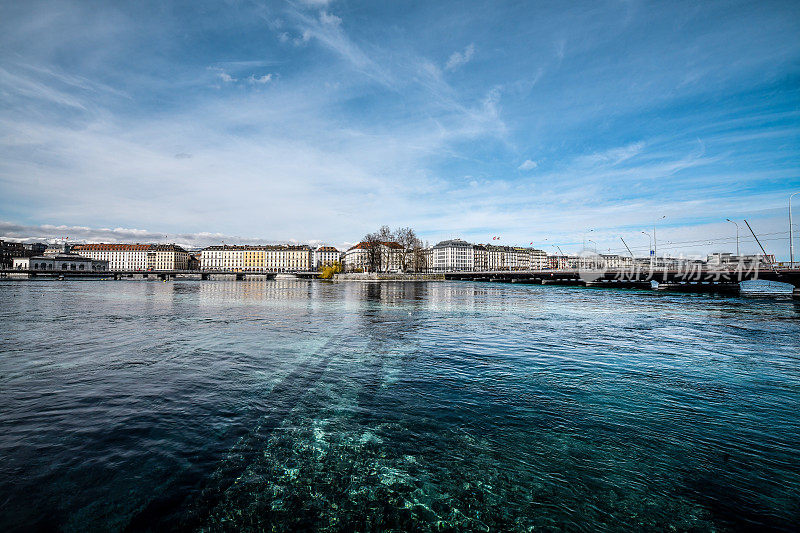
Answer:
(703, 279)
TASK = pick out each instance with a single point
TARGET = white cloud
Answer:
(266, 78)
(458, 59)
(224, 76)
(329, 18)
(528, 165)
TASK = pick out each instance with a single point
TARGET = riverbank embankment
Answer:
(380, 276)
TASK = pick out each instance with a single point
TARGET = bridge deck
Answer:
(595, 277)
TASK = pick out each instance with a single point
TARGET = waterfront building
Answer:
(564, 261)
(8, 251)
(616, 262)
(454, 255)
(325, 256)
(496, 257)
(34, 248)
(514, 258)
(55, 249)
(537, 259)
(266, 258)
(730, 260)
(64, 262)
(480, 258)
(387, 255)
(132, 257)
(299, 257)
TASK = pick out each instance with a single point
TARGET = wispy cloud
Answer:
(458, 59)
(329, 19)
(23, 86)
(528, 164)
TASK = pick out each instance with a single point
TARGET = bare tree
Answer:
(372, 242)
(405, 238)
(386, 236)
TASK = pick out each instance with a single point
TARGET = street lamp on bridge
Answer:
(655, 244)
(737, 235)
(791, 235)
(651, 247)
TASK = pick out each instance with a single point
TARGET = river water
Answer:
(289, 405)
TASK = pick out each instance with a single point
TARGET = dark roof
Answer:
(128, 247)
(248, 247)
(453, 242)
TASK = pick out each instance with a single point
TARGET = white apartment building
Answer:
(132, 257)
(480, 258)
(728, 259)
(496, 257)
(271, 258)
(325, 256)
(453, 255)
(537, 259)
(614, 261)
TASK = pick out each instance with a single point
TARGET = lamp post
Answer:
(655, 243)
(595, 245)
(737, 235)
(651, 247)
(791, 235)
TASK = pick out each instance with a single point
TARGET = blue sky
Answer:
(319, 121)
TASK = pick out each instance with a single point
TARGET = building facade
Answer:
(267, 258)
(60, 263)
(137, 257)
(480, 257)
(453, 255)
(325, 256)
(9, 250)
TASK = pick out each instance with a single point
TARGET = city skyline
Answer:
(316, 122)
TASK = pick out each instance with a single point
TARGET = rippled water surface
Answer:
(292, 405)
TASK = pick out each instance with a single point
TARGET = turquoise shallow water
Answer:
(292, 405)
